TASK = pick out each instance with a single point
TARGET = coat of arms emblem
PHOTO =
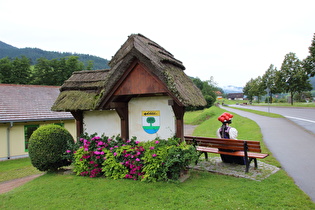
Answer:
(151, 121)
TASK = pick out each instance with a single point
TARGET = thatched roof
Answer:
(91, 90)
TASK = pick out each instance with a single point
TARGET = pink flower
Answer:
(115, 153)
(68, 151)
(137, 142)
(151, 148)
(100, 143)
(128, 141)
(138, 153)
(137, 159)
(92, 162)
(154, 155)
(157, 142)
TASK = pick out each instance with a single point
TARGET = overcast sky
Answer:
(231, 40)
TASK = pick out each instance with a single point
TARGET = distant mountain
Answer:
(232, 89)
(10, 51)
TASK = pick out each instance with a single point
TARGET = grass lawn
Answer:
(18, 168)
(202, 190)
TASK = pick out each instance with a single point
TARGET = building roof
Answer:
(21, 103)
(91, 90)
(235, 95)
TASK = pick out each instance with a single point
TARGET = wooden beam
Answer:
(78, 116)
(122, 111)
(179, 112)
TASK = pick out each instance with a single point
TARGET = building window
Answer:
(28, 130)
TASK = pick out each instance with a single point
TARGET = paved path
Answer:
(10, 185)
(291, 145)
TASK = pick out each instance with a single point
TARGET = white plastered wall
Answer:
(157, 103)
(102, 122)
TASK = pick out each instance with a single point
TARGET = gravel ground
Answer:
(215, 165)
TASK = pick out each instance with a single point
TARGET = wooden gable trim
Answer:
(160, 86)
(140, 81)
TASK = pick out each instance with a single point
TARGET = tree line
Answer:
(293, 78)
(33, 54)
(45, 72)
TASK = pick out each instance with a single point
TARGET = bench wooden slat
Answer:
(250, 150)
(236, 153)
(233, 144)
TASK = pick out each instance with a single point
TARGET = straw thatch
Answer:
(91, 90)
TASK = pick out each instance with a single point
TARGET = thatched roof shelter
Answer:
(99, 89)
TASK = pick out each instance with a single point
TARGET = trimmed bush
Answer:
(49, 147)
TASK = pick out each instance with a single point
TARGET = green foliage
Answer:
(165, 159)
(208, 89)
(48, 147)
(158, 160)
(16, 71)
(111, 167)
(292, 77)
(309, 62)
(56, 71)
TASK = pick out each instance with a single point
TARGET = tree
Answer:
(248, 90)
(150, 120)
(254, 88)
(5, 70)
(269, 81)
(208, 89)
(21, 70)
(55, 71)
(309, 61)
(293, 78)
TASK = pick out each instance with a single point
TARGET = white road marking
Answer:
(296, 118)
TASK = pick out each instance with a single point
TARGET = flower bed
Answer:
(157, 160)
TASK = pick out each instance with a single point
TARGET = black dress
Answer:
(229, 158)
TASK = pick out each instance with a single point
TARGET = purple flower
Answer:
(157, 142)
(154, 155)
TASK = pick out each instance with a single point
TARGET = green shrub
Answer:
(157, 160)
(49, 147)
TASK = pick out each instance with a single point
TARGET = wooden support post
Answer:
(179, 112)
(78, 116)
(122, 110)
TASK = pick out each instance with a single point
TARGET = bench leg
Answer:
(206, 155)
(247, 163)
(255, 161)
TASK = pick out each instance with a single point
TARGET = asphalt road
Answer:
(291, 145)
(304, 117)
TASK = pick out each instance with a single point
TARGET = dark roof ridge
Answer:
(91, 71)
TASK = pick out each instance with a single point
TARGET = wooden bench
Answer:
(250, 150)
